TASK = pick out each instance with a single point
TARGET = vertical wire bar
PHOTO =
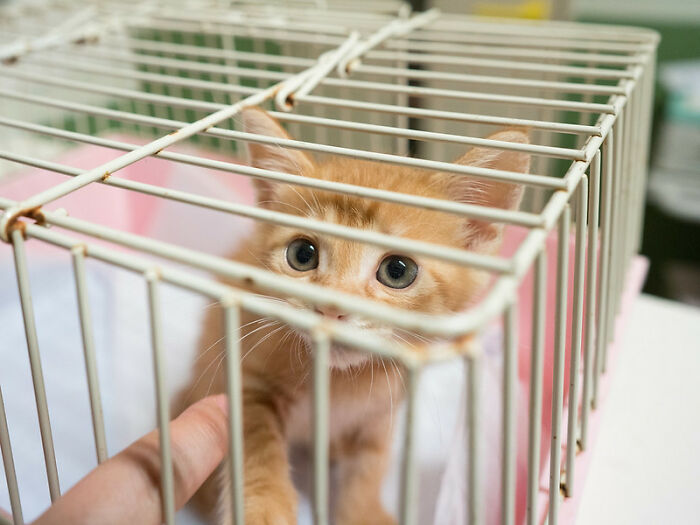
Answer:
(167, 486)
(604, 259)
(576, 333)
(613, 285)
(630, 186)
(619, 211)
(591, 313)
(559, 358)
(539, 301)
(638, 175)
(98, 426)
(510, 378)
(408, 460)
(321, 414)
(35, 364)
(647, 108)
(232, 323)
(623, 206)
(9, 466)
(474, 433)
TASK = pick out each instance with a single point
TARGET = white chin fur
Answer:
(340, 357)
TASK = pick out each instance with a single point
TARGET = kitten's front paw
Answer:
(269, 512)
(376, 517)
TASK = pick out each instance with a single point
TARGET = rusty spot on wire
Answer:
(36, 214)
(80, 249)
(20, 226)
(105, 175)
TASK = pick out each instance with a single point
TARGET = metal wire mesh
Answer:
(366, 80)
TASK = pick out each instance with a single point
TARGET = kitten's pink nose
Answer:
(330, 312)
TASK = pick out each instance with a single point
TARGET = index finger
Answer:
(126, 489)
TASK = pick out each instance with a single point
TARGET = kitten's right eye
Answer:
(302, 255)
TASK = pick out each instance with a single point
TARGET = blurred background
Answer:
(672, 217)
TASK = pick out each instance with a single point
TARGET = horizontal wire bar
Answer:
(482, 97)
(543, 28)
(469, 210)
(370, 106)
(164, 62)
(209, 52)
(302, 318)
(426, 249)
(451, 115)
(273, 75)
(264, 22)
(535, 149)
(261, 58)
(515, 65)
(551, 85)
(442, 325)
(547, 54)
(487, 173)
(277, 34)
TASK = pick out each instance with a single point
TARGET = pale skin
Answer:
(277, 360)
(125, 489)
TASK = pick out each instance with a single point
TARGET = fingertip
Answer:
(221, 400)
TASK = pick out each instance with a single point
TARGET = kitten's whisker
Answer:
(310, 208)
(262, 340)
(223, 352)
(371, 380)
(221, 356)
(283, 204)
(391, 396)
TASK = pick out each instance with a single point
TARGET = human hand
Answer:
(125, 490)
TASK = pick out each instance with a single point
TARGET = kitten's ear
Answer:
(271, 156)
(482, 235)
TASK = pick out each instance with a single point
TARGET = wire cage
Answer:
(365, 80)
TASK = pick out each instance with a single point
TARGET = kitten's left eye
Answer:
(302, 255)
(397, 271)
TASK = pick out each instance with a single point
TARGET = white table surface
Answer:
(646, 463)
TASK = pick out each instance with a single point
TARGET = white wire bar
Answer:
(98, 425)
(604, 262)
(234, 388)
(8, 463)
(592, 327)
(559, 360)
(167, 480)
(474, 439)
(321, 407)
(35, 363)
(536, 385)
(576, 333)
(408, 513)
(510, 404)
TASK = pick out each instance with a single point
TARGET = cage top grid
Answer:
(555, 61)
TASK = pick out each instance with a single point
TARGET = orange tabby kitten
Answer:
(277, 361)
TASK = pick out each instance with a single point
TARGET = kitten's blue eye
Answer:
(302, 255)
(397, 271)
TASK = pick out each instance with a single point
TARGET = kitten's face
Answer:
(415, 283)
